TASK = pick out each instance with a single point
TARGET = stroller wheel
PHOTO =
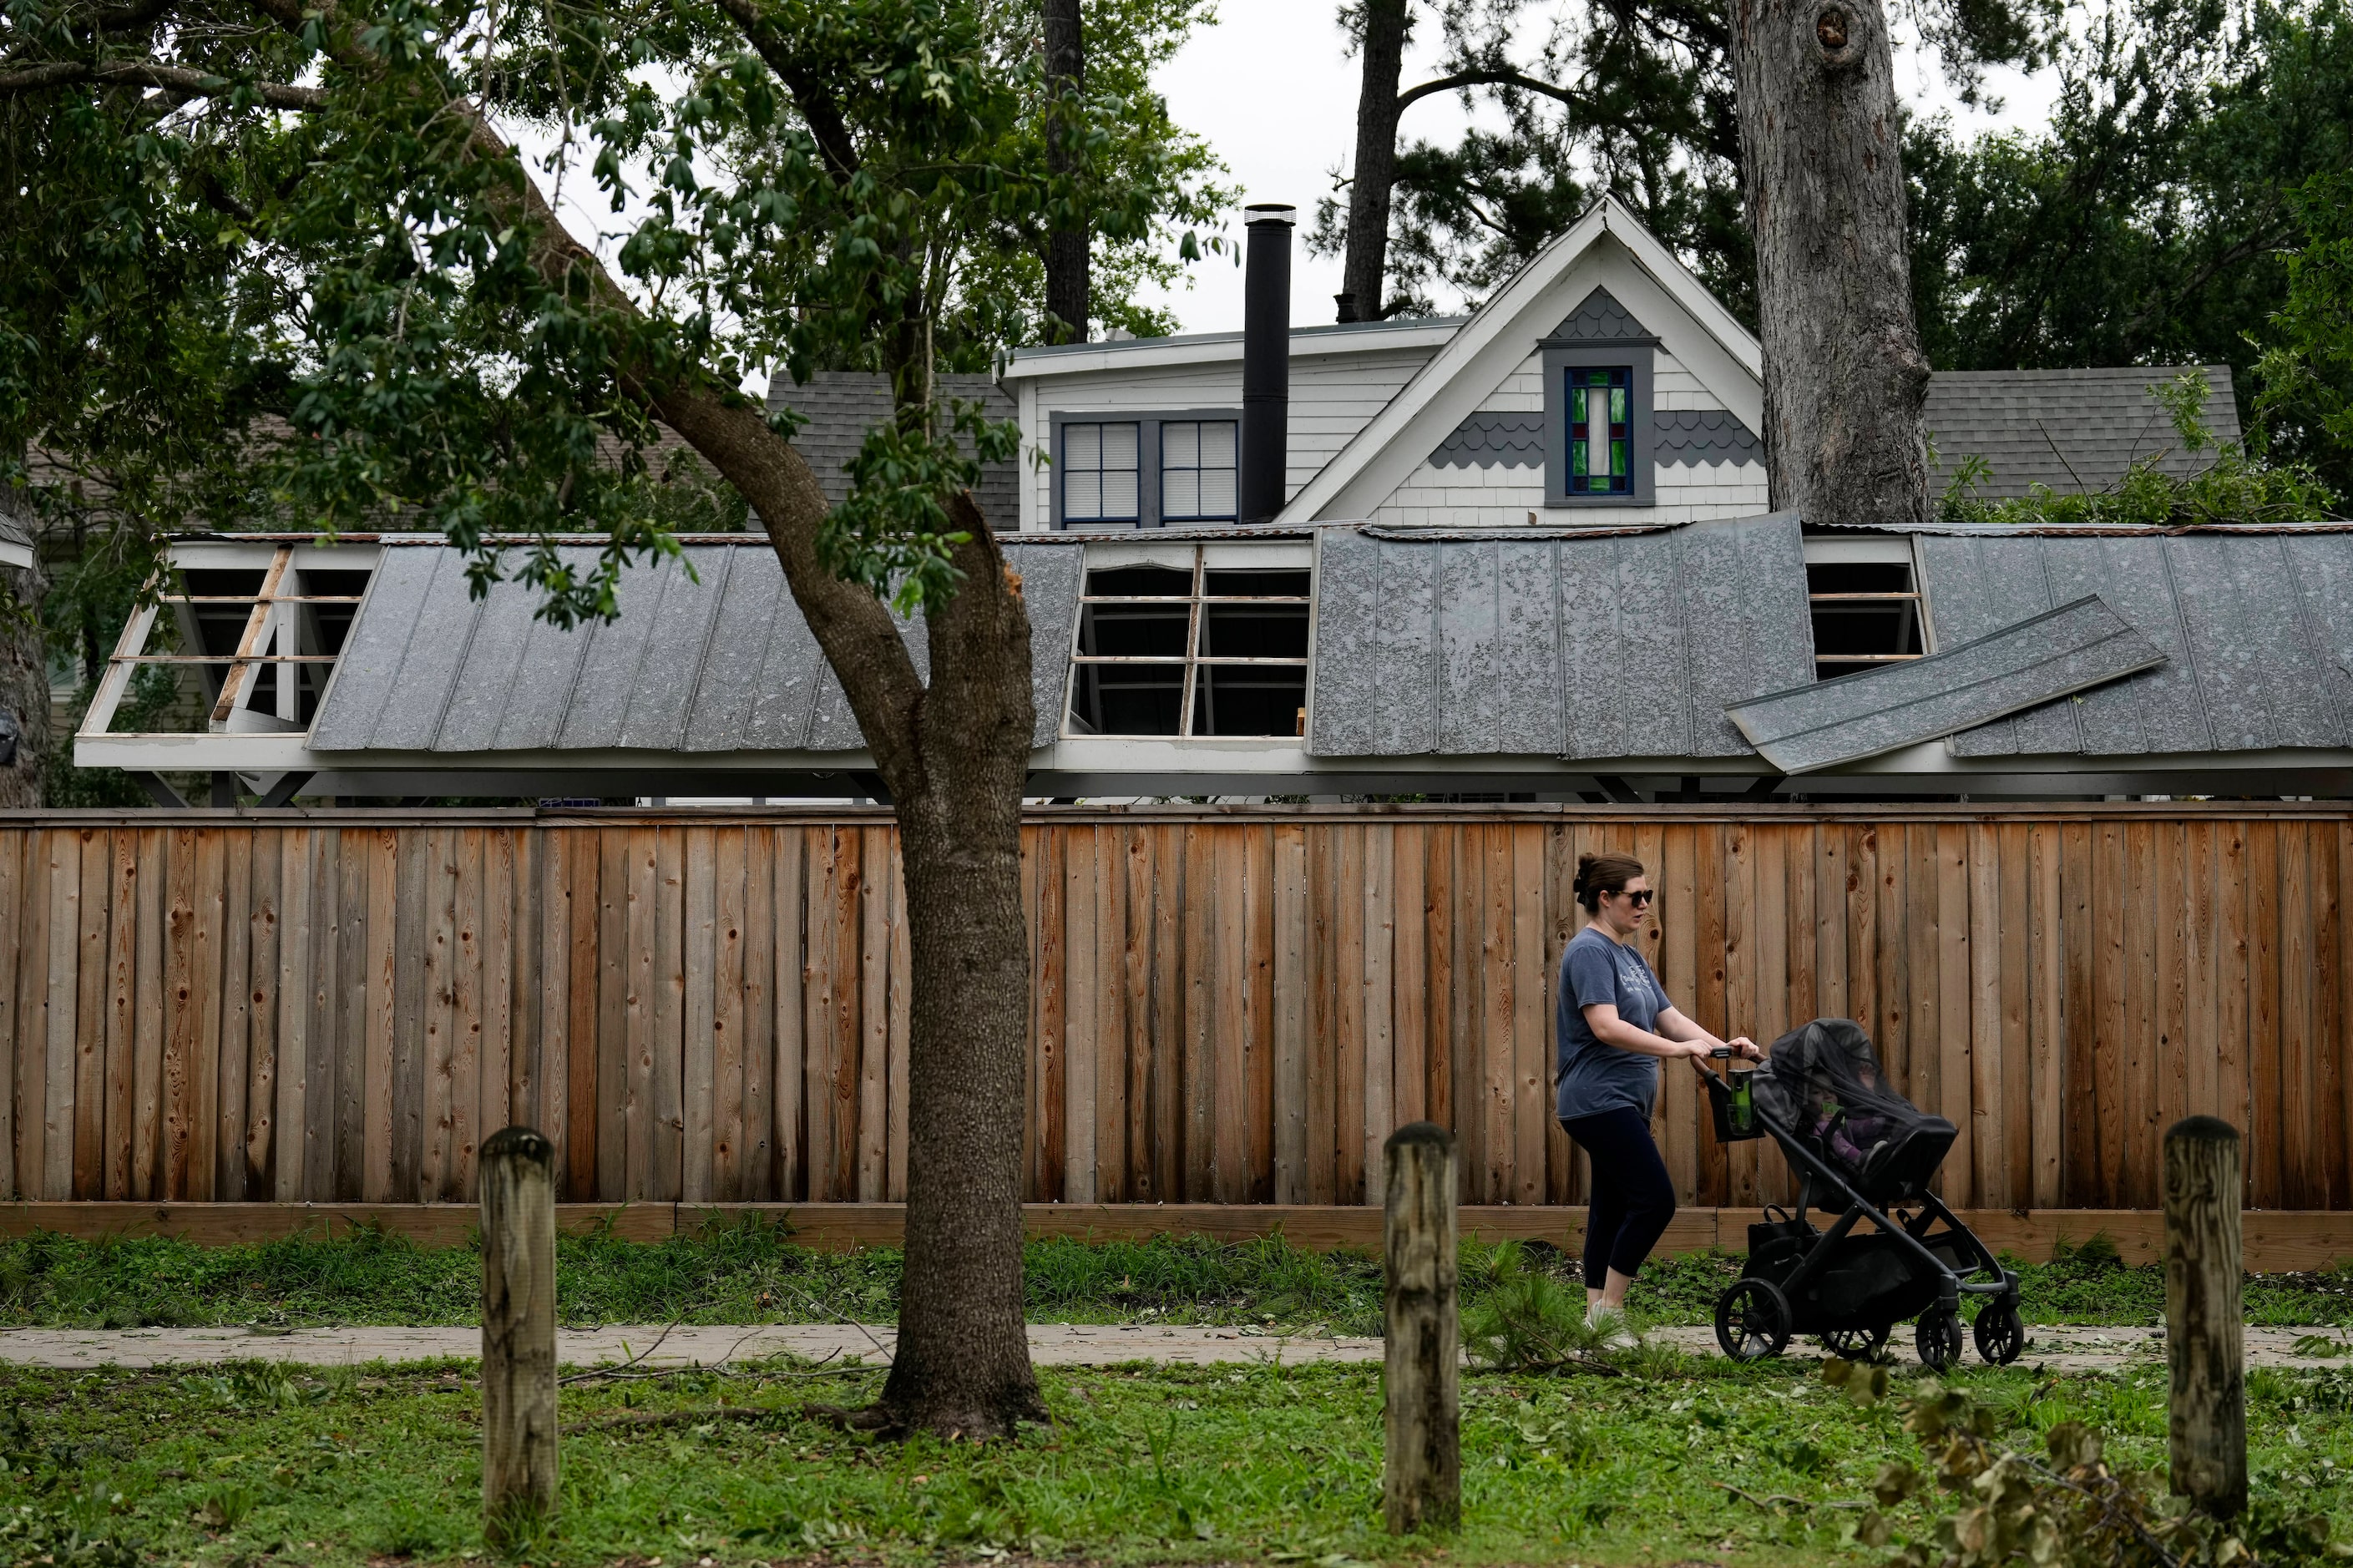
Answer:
(1858, 1345)
(1752, 1319)
(1938, 1339)
(2000, 1336)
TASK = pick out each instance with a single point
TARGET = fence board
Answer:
(1229, 1009)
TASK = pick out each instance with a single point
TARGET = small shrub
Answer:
(226, 1508)
(1523, 1319)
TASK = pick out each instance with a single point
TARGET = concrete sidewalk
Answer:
(2068, 1349)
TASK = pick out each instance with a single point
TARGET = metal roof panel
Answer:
(1634, 646)
(2052, 655)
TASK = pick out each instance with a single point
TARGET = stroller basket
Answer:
(1734, 1110)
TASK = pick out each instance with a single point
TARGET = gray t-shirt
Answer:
(1596, 1077)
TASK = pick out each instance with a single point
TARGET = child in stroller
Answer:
(1854, 1137)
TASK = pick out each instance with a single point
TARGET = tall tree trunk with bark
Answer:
(25, 692)
(1067, 279)
(24, 665)
(1364, 270)
(1844, 376)
(954, 755)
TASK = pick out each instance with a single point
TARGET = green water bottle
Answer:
(1744, 1099)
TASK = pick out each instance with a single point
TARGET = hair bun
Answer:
(1584, 874)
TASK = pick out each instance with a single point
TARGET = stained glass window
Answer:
(1599, 431)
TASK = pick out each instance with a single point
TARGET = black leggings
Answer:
(1633, 1198)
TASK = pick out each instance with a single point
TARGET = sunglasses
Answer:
(1642, 898)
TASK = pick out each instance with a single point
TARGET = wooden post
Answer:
(2204, 1330)
(518, 1183)
(1423, 1480)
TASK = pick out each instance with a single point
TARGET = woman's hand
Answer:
(1743, 1045)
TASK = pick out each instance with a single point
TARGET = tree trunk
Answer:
(1067, 265)
(954, 755)
(1364, 270)
(1844, 376)
(25, 692)
(962, 1363)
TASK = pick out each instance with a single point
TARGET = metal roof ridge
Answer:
(2089, 529)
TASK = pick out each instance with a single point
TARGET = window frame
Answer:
(1147, 465)
(1633, 355)
(1205, 558)
(1896, 551)
(1062, 470)
(1195, 519)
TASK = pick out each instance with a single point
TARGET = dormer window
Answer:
(1600, 430)
(1165, 469)
(1197, 470)
(1100, 473)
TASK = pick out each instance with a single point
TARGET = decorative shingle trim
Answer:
(1601, 320)
(1492, 441)
(1692, 437)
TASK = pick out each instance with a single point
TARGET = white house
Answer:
(1521, 552)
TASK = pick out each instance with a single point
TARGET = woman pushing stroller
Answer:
(1615, 1025)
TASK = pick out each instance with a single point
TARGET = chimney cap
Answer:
(1258, 212)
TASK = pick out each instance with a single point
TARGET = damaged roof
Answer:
(2052, 655)
(1593, 643)
(709, 654)
(2256, 625)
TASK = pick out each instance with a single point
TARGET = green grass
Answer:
(237, 1465)
(750, 1271)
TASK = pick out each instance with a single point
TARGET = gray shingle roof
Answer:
(842, 406)
(1595, 643)
(718, 659)
(2077, 645)
(2102, 420)
(2257, 627)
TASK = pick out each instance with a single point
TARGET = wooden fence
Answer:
(1233, 1005)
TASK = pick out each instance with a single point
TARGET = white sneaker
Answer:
(1610, 1329)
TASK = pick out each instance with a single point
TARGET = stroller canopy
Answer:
(1823, 1083)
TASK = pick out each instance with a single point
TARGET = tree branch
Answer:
(860, 640)
(144, 73)
(822, 114)
(1497, 78)
(136, 17)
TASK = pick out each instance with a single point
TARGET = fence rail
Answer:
(1231, 1005)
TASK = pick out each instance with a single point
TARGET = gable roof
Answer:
(841, 405)
(1607, 248)
(2021, 421)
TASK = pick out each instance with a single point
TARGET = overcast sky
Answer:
(1269, 87)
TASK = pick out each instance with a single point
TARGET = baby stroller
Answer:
(1860, 1148)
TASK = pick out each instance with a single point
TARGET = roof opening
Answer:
(1865, 613)
(1166, 651)
(244, 648)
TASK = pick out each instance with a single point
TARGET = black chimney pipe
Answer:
(1266, 359)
